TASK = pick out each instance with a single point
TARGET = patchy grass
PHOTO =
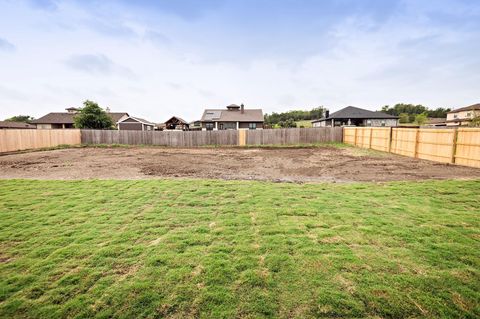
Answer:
(306, 123)
(218, 249)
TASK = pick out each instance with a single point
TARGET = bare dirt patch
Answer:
(274, 164)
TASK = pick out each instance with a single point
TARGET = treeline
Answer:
(409, 112)
(288, 119)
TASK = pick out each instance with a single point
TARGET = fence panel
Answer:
(380, 138)
(349, 135)
(23, 139)
(404, 141)
(435, 145)
(460, 146)
(291, 136)
(227, 137)
(468, 147)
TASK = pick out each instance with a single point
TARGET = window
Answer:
(383, 122)
(252, 126)
(369, 122)
(469, 114)
(209, 126)
(149, 128)
(455, 116)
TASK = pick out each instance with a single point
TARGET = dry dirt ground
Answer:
(275, 164)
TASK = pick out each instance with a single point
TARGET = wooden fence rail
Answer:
(457, 146)
(20, 139)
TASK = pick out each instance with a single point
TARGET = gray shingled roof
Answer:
(11, 124)
(248, 115)
(178, 118)
(467, 108)
(67, 118)
(352, 112)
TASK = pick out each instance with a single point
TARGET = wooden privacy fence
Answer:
(163, 138)
(15, 140)
(227, 137)
(457, 145)
(22, 139)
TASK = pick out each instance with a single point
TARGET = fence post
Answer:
(242, 137)
(454, 145)
(390, 139)
(355, 129)
(370, 142)
(417, 133)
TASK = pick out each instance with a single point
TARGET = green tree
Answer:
(287, 123)
(475, 122)
(404, 118)
(421, 119)
(21, 118)
(295, 115)
(93, 116)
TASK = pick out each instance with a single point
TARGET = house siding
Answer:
(130, 126)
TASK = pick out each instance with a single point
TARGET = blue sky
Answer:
(156, 59)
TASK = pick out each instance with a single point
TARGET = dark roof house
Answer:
(233, 117)
(15, 125)
(61, 120)
(135, 124)
(355, 116)
(176, 123)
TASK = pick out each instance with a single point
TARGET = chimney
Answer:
(242, 108)
(327, 113)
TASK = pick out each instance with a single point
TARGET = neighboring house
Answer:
(234, 117)
(463, 116)
(435, 122)
(135, 124)
(64, 120)
(15, 125)
(176, 123)
(354, 116)
(195, 126)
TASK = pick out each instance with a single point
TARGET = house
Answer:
(176, 123)
(15, 125)
(233, 117)
(64, 120)
(463, 116)
(195, 126)
(355, 116)
(435, 122)
(135, 124)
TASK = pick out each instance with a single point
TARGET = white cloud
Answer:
(363, 62)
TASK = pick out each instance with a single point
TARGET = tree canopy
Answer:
(285, 119)
(21, 118)
(93, 116)
(411, 111)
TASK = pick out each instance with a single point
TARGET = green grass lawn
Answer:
(213, 249)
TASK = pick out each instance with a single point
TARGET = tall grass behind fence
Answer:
(459, 146)
(22, 139)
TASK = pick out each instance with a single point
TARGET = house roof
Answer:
(10, 124)
(138, 119)
(436, 120)
(467, 108)
(67, 118)
(352, 112)
(248, 115)
(182, 121)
